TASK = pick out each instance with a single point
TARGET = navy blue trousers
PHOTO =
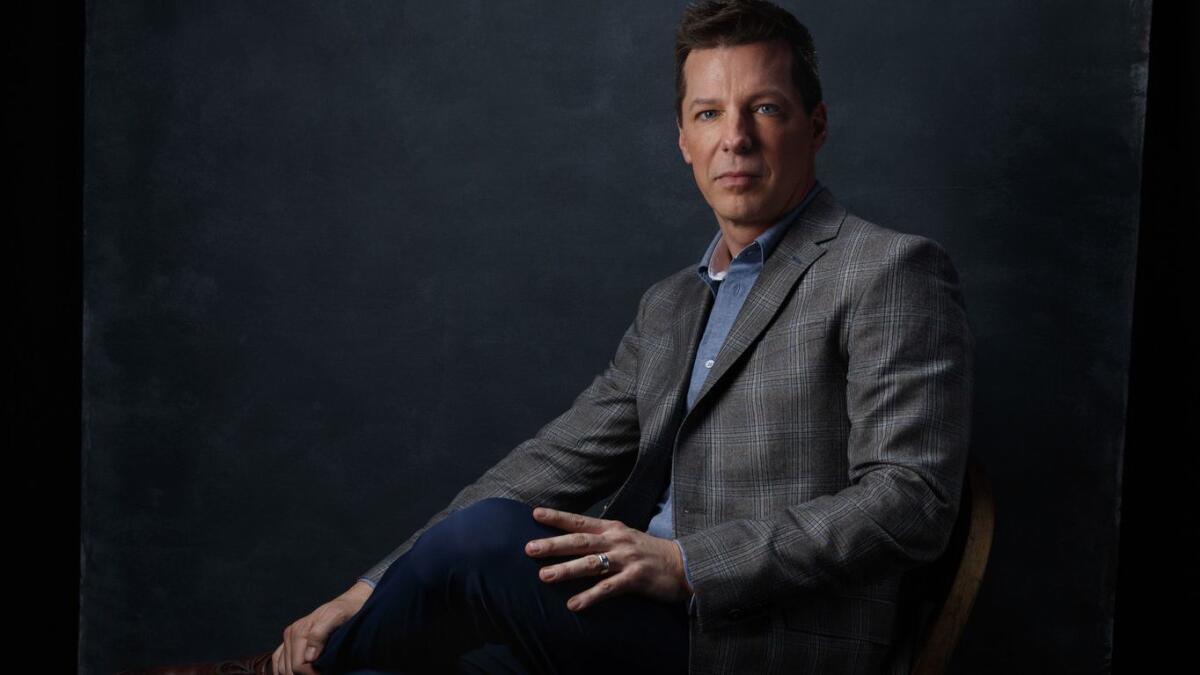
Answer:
(466, 598)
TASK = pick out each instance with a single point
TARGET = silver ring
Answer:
(603, 562)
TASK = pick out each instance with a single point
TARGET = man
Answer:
(786, 428)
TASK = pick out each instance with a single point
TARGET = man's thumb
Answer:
(310, 653)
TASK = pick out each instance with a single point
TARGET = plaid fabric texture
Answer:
(821, 462)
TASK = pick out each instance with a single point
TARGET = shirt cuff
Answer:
(692, 599)
(372, 583)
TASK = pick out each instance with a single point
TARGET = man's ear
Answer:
(687, 156)
(820, 124)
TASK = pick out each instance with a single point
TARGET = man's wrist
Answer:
(361, 590)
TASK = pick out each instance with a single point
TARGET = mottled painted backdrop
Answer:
(342, 256)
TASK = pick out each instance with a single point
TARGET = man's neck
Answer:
(735, 236)
(721, 256)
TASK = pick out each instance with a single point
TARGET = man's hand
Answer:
(638, 562)
(304, 639)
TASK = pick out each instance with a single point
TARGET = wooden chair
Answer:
(954, 578)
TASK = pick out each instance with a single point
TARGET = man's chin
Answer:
(745, 215)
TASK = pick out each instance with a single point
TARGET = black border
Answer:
(44, 132)
(1156, 590)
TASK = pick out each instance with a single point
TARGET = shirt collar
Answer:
(766, 241)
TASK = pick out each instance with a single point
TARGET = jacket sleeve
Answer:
(909, 361)
(574, 460)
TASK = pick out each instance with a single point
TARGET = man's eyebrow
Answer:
(770, 91)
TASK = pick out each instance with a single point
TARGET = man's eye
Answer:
(704, 114)
(772, 108)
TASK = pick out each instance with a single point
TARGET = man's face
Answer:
(745, 133)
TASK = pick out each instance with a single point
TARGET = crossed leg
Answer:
(467, 598)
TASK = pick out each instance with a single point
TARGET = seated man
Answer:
(785, 428)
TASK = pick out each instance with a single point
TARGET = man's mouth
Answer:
(737, 178)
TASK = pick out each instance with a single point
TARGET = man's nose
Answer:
(737, 135)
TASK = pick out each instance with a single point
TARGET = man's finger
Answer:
(286, 667)
(316, 643)
(577, 524)
(565, 520)
(606, 588)
(566, 544)
(296, 653)
(318, 633)
(588, 565)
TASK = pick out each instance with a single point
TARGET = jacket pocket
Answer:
(845, 616)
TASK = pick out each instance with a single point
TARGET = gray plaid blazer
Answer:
(821, 463)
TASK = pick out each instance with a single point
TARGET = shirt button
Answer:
(708, 363)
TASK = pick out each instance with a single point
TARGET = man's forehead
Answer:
(767, 53)
(749, 67)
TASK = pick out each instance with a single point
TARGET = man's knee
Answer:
(493, 526)
(490, 532)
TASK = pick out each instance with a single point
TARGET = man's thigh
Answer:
(478, 586)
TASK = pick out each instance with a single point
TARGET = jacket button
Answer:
(735, 614)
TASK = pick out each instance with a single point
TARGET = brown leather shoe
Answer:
(253, 665)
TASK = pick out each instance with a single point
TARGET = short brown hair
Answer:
(719, 23)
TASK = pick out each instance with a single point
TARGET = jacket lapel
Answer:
(799, 248)
(637, 500)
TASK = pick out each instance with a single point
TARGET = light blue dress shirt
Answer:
(730, 288)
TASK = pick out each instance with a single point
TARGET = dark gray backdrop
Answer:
(343, 256)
